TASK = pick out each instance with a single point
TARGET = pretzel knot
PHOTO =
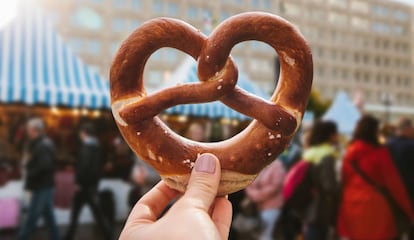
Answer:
(243, 156)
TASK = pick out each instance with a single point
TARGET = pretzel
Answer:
(243, 156)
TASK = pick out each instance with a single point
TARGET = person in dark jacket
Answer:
(88, 173)
(322, 153)
(39, 180)
(402, 152)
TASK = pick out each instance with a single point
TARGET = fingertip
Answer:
(204, 181)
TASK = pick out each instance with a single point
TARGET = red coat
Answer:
(364, 214)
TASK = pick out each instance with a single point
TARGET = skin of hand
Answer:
(198, 214)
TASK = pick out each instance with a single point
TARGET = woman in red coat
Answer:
(364, 213)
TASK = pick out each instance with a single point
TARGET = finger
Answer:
(221, 216)
(152, 204)
(204, 181)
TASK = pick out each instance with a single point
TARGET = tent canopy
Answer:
(344, 113)
(187, 73)
(36, 67)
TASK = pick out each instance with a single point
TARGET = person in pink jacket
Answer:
(266, 193)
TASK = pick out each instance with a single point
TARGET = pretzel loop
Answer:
(281, 113)
(163, 32)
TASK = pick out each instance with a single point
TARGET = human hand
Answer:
(198, 214)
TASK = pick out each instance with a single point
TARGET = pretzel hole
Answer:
(159, 68)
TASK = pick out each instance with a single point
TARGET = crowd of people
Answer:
(46, 187)
(318, 188)
(323, 190)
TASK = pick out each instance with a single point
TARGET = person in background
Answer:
(266, 193)
(291, 155)
(88, 171)
(144, 177)
(364, 212)
(122, 161)
(247, 223)
(322, 154)
(39, 180)
(196, 132)
(402, 151)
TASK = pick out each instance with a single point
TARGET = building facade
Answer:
(363, 47)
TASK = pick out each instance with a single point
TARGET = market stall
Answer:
(41, 76)
(344, 112)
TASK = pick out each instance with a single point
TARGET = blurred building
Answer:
(364, 47)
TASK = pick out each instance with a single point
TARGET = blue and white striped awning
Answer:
(36, 67)
(188, 73)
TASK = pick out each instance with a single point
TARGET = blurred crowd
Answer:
(320, 187)
(323, 187)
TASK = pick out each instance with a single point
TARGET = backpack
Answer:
(298, 188)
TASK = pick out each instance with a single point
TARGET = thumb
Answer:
(204, 182)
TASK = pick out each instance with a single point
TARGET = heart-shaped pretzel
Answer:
(243, 156)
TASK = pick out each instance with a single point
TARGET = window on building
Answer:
(379, 10)
(337, 18)
(192, 12)
(259, 65)
(360, 6)
(136, 5)
(360, 23)
(157, 6)
(345, 74)
(398, 81)
(399, 30)
(173, 9)
(224, 15)
(320, 52)
(76, 44)
(119, 3)
(377, 61)
(114, 47)
(155, 78)
(381, 27)
(321, 71)
(156, 55)
(357, 57)
(292, 9)
(407, 82)
(366, 78)
(93, 47)
(134, 24)
(171, 55)
(87, 18)
(316, 14)
(334, 73)
(239, 61)
(400, 15)
(339, 3)
(267, 4)
(344, 56)
(255, 3)
(119, 24)
(387, 80)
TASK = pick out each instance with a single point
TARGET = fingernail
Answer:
(205, 163)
